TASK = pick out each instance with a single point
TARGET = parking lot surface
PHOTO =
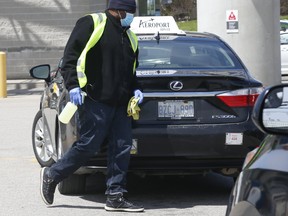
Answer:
(174, 195)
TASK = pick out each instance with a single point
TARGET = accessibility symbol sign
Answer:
(232, 22)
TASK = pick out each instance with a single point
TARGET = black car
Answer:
(261, 188)
(195, 117)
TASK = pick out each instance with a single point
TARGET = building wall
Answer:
(256, 40)
(34, 32)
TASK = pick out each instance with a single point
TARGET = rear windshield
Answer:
(186, 54)
(283, 25)
(284, 38)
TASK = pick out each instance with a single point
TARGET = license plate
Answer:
(176, 109)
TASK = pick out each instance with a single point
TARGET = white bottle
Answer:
(67, 113)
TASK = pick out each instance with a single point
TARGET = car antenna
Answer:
(157, 37)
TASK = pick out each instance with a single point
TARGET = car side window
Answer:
(284, 38)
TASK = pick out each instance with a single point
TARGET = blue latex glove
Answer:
(138, 94)
(76, 96)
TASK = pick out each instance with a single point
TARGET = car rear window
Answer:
(186, 54)
(283, 25)
(284, 38)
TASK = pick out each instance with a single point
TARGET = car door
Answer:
(284, 55)
(50, 107)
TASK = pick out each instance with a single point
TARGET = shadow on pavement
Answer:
(164, 192)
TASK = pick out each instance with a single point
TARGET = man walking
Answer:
(100, 59)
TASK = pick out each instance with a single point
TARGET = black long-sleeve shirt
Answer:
(109, 64)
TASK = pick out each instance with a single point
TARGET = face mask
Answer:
(128, 20)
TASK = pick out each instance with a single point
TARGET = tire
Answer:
(96, 183)
(41, 150)
(74, 184)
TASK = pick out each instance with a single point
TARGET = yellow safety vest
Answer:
(99, 20)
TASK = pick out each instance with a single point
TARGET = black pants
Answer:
(98, 121)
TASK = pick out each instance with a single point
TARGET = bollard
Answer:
(3, 82)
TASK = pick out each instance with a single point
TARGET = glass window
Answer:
(186, 54)
(284, 38)
(283, 25)
(149, 7)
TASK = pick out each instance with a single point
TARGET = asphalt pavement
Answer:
(19, 180)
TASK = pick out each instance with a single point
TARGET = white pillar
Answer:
(257, 38)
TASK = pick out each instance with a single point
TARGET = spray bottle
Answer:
(69, 110)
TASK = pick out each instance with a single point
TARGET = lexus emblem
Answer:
(176, 85)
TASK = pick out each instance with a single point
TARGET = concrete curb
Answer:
(25, 87)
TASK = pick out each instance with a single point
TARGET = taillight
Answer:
(241, 97)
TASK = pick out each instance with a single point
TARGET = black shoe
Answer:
(118, 203)
(47, 186)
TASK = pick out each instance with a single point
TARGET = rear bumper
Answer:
(187, 148)
(197, 141)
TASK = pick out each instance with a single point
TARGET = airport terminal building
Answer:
(35, 32)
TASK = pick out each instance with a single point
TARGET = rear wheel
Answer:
(74, 184)
(42, 150)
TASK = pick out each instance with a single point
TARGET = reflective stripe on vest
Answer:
(99, 20)
(134, 44)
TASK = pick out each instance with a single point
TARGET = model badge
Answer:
(176, 85)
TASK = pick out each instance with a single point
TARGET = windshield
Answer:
(284, 38)
(186, 54)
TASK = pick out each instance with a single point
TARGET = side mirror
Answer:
(41, 72)
(270, 112)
